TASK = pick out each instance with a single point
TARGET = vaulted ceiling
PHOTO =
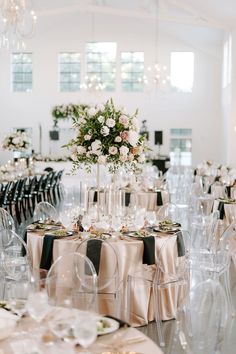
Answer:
(220, 14)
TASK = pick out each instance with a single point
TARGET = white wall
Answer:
(200, 110)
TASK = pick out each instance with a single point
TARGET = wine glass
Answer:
(116, 224)
(85, 329)
(139, 218)
(66, 218)
(37, 305)
(17, 296)
(151, 218)
(86, 222)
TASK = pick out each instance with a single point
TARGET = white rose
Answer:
(113, 150)
(100, 107)
(87, 137)
(141, 158)
(91, 111)
(123, 158)
(81, 150)
(130, 157)
(124, 120)
(105, 130)
(102, 159)
(82, 121)
(135, 124)
(77, 131)
(16, 140)
(133, 137)
(96, 147)
(73, 149)
(110, 122)
(101, 119)
(74, 157)
(118, 139)
(124, 150)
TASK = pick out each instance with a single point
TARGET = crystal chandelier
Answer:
(156, 75)
(17, 23)
(92, 83)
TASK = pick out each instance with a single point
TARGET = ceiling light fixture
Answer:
(17, 23)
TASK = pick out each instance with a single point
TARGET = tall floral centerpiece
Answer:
(66, 111)
(106, 135)
(17, 142)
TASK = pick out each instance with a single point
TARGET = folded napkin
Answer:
(180, 245)
(95, 197)
(93, 252)
(7, 315)
(47, 251)
(159, 198)
(121, 323)
(127, 198)
(221, 209)
(148, 250)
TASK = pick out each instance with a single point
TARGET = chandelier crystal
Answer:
(17, 23)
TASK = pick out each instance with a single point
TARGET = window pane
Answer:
(182, 71)
(181, 146)
(132, 71)
(101, 65)
(69, 72)
(22, 72)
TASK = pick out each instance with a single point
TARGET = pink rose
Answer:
(124, 135)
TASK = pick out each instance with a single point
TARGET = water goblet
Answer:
(151, 218)
(85, 329)
(86, 222)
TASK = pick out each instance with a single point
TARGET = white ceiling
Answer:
(219, 14)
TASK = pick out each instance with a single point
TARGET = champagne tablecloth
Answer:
(33, 342)
(130, 259)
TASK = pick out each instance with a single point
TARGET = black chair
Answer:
(30, 197)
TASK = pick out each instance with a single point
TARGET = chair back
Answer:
(45, 211)
(104, 258)
(168, 211)
(209, 313)
(6, 220)
(72, 282)
(173, 271)
(16, 265)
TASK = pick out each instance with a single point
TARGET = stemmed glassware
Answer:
(85, 329)
(37, 305)
(151, 218)
(86, 222)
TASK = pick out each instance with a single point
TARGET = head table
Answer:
(129, 253)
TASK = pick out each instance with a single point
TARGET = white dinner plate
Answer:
(112, 325)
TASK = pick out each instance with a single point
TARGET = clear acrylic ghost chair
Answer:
(215, 263)
(168, 211)
(109, 287)
(209, 314)
(6, 220)
(16, 264)
(167, 281)
(204, 232)
(45, 211)
(72, 282)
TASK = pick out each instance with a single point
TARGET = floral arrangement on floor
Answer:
(106, 134)
(62, 112)
(17, 141)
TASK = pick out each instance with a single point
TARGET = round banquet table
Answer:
(129, 253)
(34, 342)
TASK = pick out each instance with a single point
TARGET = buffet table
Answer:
(129, 253)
